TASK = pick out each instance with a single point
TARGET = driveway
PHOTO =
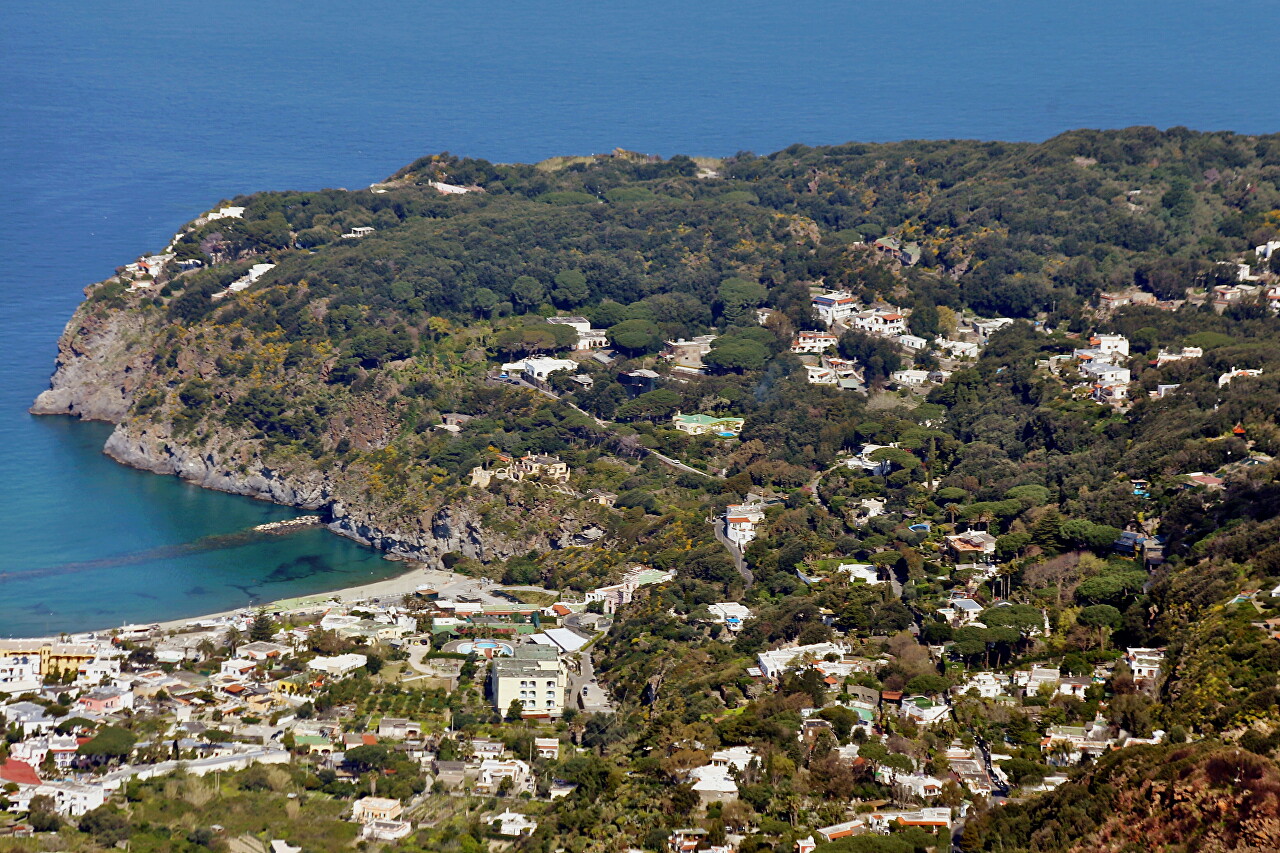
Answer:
(739, 562)
(584, 690)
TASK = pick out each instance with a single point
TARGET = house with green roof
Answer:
(708, 424)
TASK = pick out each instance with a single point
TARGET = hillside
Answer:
(1031, 467)
(338, 358)
(1168, 799)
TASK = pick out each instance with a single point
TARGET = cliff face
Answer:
(98, 367)
(102, 357)
(152, 450)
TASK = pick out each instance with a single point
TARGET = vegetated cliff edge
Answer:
(102, 359)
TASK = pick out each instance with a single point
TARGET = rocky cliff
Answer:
(103, 357)
(98, 367)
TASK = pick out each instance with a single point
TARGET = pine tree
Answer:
(262, 628)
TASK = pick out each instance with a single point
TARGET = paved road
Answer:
(661, 457)
(739, 562)
(584, 690)
(676, 463)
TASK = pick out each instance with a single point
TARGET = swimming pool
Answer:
(488, 648)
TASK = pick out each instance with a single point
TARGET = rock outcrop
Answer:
(152, 450)
(99, 365)
(101, 355)
(450, 529)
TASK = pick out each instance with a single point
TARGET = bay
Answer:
(122, 120)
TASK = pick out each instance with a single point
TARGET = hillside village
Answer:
(856, 500)
(88, 717)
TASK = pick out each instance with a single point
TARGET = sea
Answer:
(122, 119)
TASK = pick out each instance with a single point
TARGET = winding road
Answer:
(661, 457)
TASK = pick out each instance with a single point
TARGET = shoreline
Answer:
(400, 585)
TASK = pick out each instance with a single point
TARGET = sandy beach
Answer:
(391, 587)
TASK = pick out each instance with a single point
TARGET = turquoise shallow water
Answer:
(121, 120)
(127, 546)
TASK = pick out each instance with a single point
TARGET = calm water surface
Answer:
(122, 120)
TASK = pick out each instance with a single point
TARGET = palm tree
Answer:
(233, 639)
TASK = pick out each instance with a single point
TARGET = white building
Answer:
(834, 306)
(1225, 379)
(540, 368)
(958, 349)
(865, 462)
(774, 663)
(255, 272)
(1103, 373)
(908, 786)
(1144, 663)
(737, 757)
(512, 824)
(924, 711)
(34, 750)
(225, 213)
(816, 374)
(451, 189)
(19, 673)
(1031, 680)
(563, 640)
(987, 685)
(1110, 393)
(927, 818)
(338, 666)
(30, 717)
(1113, 345)
(262, 651)
(730, 614)
(880, 321)
(713, 784)
(1166, 356)
(493, 771)
(237, 668)
(384, 830)
(741, 522)
(588, 338)
(535, 676)
(914, 343)
(910, 378)
(813, 342)
(72, 799)
(615, 596)
(965, 610)
(986, 328)
(864, 572)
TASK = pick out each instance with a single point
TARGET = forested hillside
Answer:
(325, 383)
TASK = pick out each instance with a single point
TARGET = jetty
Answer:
(289, 524)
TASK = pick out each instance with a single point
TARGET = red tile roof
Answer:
(19, 772)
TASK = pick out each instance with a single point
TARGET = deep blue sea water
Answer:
(119, 121)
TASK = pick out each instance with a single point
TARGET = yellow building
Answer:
(55, 658)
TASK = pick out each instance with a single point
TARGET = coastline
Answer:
(399, 585)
